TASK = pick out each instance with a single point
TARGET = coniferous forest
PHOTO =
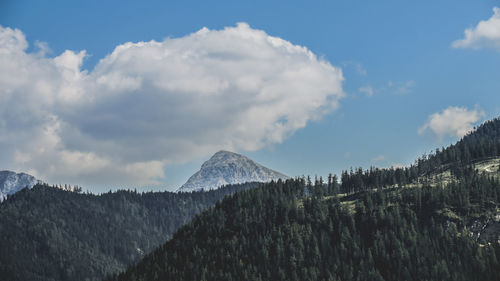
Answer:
(249, 140)
(278, 232)
(373, 226)
(51, 234)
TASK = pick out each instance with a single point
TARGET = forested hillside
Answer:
(50, 234)
(483, 143)
(277, 232)
(375, 224)
(379, 224)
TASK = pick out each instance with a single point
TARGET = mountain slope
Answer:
(51, 234)
(265, 234)
(226, 167)
(11, 182)
(387, 224)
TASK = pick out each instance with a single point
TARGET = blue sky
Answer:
(396, 57)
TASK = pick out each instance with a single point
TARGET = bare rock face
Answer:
(226, 167)
(11, 182)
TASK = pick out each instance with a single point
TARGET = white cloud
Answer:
(149, 104)
(367, 90)
(485, 35)
(453, 122)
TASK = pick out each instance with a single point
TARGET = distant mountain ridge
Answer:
(226, 167)
(12, 182)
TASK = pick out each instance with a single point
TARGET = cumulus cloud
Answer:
(453, 122)
(149, 104)
(485, 35)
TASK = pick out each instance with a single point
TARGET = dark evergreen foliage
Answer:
(483, 143)
(266, 234)
(50, 234)
(299, 230)
(292, 230)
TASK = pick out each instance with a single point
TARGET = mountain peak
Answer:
(225, 152)
(226, 167)
(11, 182)
(223, 157)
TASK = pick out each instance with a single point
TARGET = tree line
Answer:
(288, 230)
(47, 233)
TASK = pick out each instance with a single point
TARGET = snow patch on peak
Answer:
(226, 167)
(11, 182)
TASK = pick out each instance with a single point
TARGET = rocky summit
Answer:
(12, 182)
(226, 167)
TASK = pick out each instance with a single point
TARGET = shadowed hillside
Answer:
(380, 224)
(50, 234)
